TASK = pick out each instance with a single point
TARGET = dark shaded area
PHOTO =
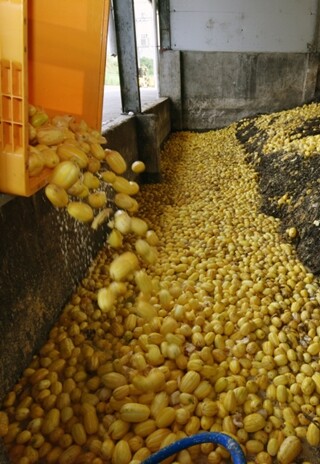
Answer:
(310, 127)
(289, 184)
(4, 459)
(43, 255)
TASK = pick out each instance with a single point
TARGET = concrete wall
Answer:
(122, 135)
(226, 60)
(154, 126)
(213, 89)
(44, 253)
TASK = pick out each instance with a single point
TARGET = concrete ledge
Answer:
(121, 135)
(162, 109)
(141, 136)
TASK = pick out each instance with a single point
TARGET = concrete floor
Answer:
(112, 101)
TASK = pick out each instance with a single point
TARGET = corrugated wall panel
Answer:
(243, 26)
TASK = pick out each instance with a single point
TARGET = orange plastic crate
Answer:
(52, 54)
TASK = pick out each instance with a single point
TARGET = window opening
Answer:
(146, 20)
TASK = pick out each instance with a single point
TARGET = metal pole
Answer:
(156, 44)
(127, 55)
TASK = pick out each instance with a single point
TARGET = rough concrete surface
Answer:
(43, 256)
(213, 89)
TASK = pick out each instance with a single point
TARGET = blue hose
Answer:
(217, 438)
